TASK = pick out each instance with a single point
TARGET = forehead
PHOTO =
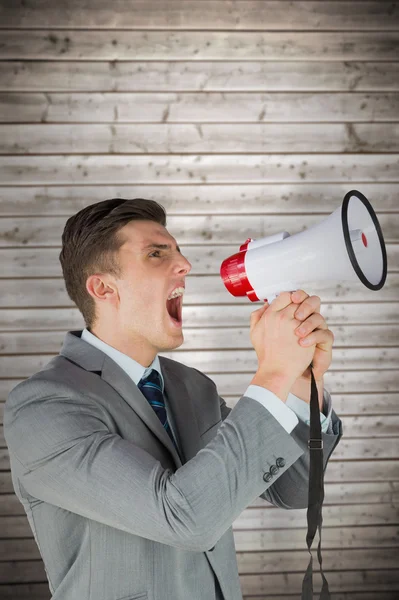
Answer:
(139, 234)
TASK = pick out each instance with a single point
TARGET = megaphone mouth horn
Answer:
(354, 234)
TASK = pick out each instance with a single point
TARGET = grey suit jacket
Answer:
(114, 511)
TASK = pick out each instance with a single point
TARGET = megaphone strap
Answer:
(315, 496)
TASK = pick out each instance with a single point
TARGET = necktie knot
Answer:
(153, 380)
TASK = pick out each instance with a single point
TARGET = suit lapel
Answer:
(181, 405)
(115, 376)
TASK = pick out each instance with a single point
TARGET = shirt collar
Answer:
(135, 370)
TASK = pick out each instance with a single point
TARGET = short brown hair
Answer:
(90, 244)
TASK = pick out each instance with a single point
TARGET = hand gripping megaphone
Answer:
(348, 245)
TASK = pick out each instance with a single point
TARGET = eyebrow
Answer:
(161, 247)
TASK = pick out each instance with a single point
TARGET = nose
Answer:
(183, 264)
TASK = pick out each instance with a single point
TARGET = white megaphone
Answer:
(348, 245)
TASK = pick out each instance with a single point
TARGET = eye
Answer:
(152, 254)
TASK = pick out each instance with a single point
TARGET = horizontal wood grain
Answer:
(285, 76)
(312, 46)
(241, 199)
(284, 583)
(374, 381)
(191, 138)
(272, 517)
(189, 229)
(206, 14)
(346, 538)
(198, 107)
(231, 169)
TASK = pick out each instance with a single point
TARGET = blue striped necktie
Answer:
(151, 387)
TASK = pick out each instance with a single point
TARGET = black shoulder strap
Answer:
(316, 495)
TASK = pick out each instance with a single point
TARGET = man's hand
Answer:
(314, 329)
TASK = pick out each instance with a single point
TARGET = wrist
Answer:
(302, 389)
(280, 385)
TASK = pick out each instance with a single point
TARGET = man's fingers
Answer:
(324, 338)
(315, 321)
(310, 305)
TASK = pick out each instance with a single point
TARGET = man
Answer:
(130, 466)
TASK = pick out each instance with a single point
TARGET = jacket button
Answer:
(267, 476)
(280, 462)
(273, 469)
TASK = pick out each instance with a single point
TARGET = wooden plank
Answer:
(198, 138)
(352, 404)
(205, 260)
(206, 14)
(193, 229)
(41, 591)
(219, 361)
(23, 571)
(294, 198)
(352, 558)
(231, 169)
(312, 46)
(377, 536)
(197, 107)
(117, 76)
(233, 339)
(343, 316)
(188, 229)
(271, 517)
(377, 381)
(19, 293)
(284, 583)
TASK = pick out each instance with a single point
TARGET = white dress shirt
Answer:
(287, 413)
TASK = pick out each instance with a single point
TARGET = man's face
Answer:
(149, 276)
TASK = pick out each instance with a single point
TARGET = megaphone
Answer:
(347, 245)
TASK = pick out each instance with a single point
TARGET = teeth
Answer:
(177, 292)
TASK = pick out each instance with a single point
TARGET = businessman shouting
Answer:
(130, 466)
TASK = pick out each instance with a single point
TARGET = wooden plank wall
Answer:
(243, 119)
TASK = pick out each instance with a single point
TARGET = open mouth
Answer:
(174, 308)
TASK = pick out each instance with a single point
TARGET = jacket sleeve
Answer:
(290, 490)
(66, 453)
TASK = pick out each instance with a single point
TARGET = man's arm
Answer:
(290, 489)
(66, 450)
